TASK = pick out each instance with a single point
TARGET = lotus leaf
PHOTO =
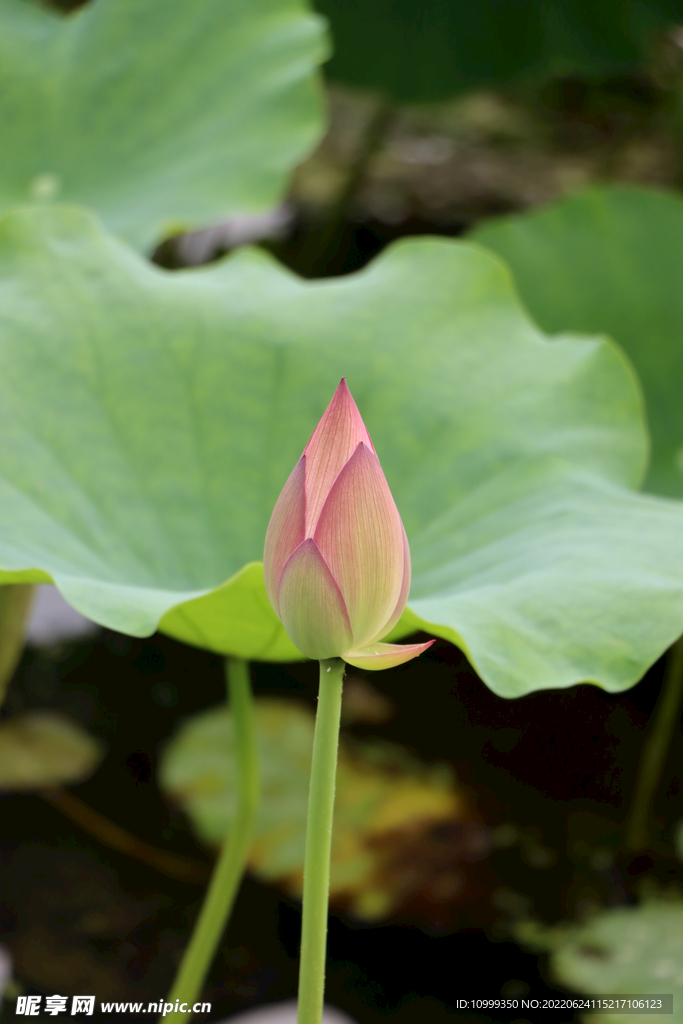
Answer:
(623, 951)
(43, 748)
(148, 420)
(610, 260)
(159, 115)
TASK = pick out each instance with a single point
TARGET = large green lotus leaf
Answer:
(625, 951)
(255, 631)
(149, 419)
(611, 260)
(436, 48)
(159, 115)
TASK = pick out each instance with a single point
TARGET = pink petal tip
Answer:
(379, 656)
(333, 442)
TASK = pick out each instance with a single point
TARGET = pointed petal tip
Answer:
(381, 656)
(330, 446)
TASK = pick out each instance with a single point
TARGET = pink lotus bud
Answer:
(336, 560)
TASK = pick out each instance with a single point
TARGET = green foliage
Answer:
(236, 618)
(198, 771)
(381, 793)
(149, 419)
(625, 951)
(610, 260)
(158, 115)
(42, 748)
(437, 48)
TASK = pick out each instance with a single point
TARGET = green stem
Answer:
(232, 859)
(15, 604)
(665, 719)
(319, 843)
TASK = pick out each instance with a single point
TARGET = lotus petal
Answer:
(332, 444)
(380, 656)
(311, 605)
(360, 536)
(403, 595)
(285, 529)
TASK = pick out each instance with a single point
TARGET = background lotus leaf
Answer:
(611, 260)
(149, 419)
(43, 748)
(382, 794)
(621, 951)
(161, 115)
(434, 49)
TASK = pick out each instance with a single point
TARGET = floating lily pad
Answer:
(149, 419)
(626, 951)
(611, 260)
(382, 794)
(161, 115)
(41, 748)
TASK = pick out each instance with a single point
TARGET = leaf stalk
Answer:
(654, 753)
(15, 605)
(231, 863)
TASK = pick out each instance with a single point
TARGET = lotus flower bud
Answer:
(336, 559)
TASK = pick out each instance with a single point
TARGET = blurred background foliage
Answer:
(440, 48)
(385, 801)
(621, 950)
(587, 107)
(444, 118)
